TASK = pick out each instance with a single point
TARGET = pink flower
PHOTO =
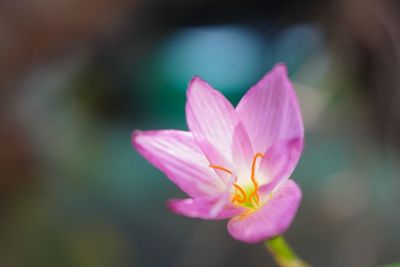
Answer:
(234, 162)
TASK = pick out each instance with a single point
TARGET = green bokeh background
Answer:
(75, 193)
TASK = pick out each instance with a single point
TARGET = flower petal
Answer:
(242, 154)
(270, 111)
(270, 220)
(177, 155)
(209, 208)
(215, 125)
(279, 162)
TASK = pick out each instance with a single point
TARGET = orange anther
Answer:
(237, 197)
(253, 178)
(217, 167)
(240, 195)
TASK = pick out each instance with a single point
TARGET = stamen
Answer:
(253, 178)
(237, 197)
(241, 197)
(237, 187)
(220, 168)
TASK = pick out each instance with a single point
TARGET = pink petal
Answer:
(208, 208)
(177, 155)
(270, 110)
(215, 125)
(242, 154)
(271, 220)
(279, 162)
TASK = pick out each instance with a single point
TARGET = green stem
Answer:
(283, 253)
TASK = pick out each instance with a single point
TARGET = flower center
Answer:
(241, 196)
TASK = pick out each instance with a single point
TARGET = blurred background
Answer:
(77, 76)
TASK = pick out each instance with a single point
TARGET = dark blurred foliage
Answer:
(371, 30)
(76, 77)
